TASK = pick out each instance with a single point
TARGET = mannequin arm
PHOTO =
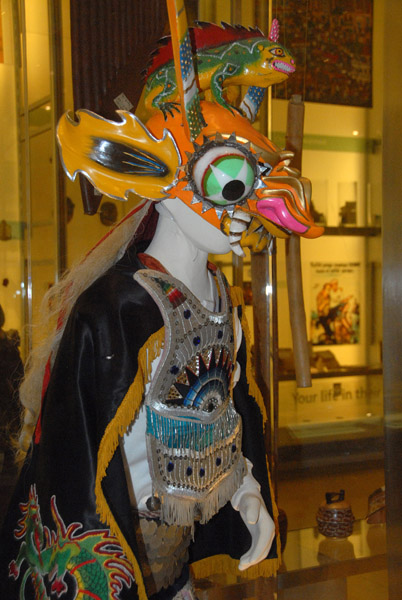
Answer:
(248, 501)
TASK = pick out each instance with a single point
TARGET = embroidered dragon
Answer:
(225, 57)
(93, 559)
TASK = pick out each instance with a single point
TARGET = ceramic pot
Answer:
(334, 517)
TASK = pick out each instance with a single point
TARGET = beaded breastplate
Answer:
(193, 431)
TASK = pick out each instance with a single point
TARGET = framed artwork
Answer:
(335, 303)
(331, 41)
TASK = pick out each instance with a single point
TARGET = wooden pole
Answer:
(261, 286)
(301, 351)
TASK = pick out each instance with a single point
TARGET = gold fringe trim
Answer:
(125, 414)
(238, 300)
(222, 563)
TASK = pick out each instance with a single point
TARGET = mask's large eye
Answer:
(223, 172)
(224, 175)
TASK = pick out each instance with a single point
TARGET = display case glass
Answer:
(323, 438)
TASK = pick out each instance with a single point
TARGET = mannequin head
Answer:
(198, 232)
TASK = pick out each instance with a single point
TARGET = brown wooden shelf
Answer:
(338, 372)
(352, 230)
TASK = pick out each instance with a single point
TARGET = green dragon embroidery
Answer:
(226, 58)
(94, 559)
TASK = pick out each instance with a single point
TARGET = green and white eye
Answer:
(224, 175)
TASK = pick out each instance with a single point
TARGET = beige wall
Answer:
(10, 251)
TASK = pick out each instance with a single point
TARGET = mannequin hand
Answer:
(261, 527)
(248, 501)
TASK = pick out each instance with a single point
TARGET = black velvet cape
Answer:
(96, 364)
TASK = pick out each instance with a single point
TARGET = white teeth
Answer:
(239, 223)
(234, 241)
(242, 216)
(237, 249)
(236, 226)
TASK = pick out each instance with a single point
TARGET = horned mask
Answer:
(202, 151)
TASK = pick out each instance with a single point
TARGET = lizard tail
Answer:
(193, 120)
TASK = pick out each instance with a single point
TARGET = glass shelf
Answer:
(309, 557)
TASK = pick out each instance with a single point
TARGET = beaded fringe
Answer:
(185, 511)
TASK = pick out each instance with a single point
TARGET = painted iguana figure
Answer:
(246, 57)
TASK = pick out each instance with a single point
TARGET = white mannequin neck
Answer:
(181, 244)
(180, 257)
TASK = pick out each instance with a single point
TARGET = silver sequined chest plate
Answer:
(193, 431)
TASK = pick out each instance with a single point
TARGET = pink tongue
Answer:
(275, 210)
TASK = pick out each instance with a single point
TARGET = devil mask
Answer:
(205, 153)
